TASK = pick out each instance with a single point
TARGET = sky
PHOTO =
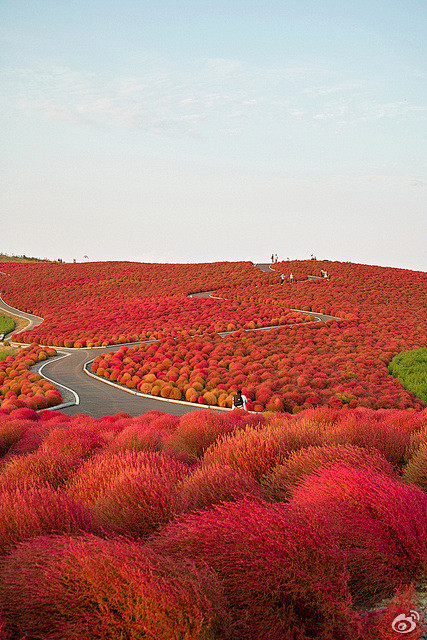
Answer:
(199, 131)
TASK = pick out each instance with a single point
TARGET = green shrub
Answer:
(6, 324)
(410, 367)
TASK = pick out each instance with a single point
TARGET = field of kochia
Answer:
(299, 365)
(224, 526)
(304, 519)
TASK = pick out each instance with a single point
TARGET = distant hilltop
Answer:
(4, 257)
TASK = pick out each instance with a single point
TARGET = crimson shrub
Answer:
(214, 484)
(282, 577)
(379, 522)
(130, 493)
(280, 482)
(30, 511)
(66, 588)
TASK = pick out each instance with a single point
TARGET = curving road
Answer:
(83, 392)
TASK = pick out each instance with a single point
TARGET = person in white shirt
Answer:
(239, 400)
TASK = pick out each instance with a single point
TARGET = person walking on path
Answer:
(276, 258)
(272, 258)
(239, 400)
(291, 278)
(282, 278)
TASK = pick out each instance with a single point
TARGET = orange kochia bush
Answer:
(20, 387)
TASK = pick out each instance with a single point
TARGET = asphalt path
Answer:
(33, 320)
(95, 397)
(83, 392)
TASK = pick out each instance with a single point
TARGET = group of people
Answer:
(275, 259)
(323, 273)
(283, 278)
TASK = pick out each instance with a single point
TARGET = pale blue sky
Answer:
(200, 131)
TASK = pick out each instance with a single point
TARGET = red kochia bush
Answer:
(196, 431)
(380, 522)
(279, 483)
(356, 429)
(419, 438)
(210, 485)
(11, 431)
(79, 438)
(37, 510)
(24, 413)
(31, 439)
(130, 493)
(282, 578)
(40, 466)
(401, 615)
(257, 450)
(61, 587)
(139, 436)
(253, 451)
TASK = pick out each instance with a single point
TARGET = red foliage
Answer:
(280, 482)
(419, 438)
(130, 493)
(340, 363)
(380, 522)
(415, 471)
(370, 431)
(94, 295)
(214, 484)
(76, 438)
(51, 467)
(120, 476)
(31, 511)
(275, 588)
(11, 431)
(401, 615)
(196, 431)
(140, 435)
(252, 451)
(86, 587)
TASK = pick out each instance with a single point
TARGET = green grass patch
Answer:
(410, 367)
(6, 324)
(12, 351)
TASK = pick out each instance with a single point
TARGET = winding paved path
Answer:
(97, 397)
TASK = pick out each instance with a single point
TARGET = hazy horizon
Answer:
(208, 131)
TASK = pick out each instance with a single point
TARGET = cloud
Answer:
(164, 97)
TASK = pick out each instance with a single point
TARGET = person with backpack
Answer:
(239, 400)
